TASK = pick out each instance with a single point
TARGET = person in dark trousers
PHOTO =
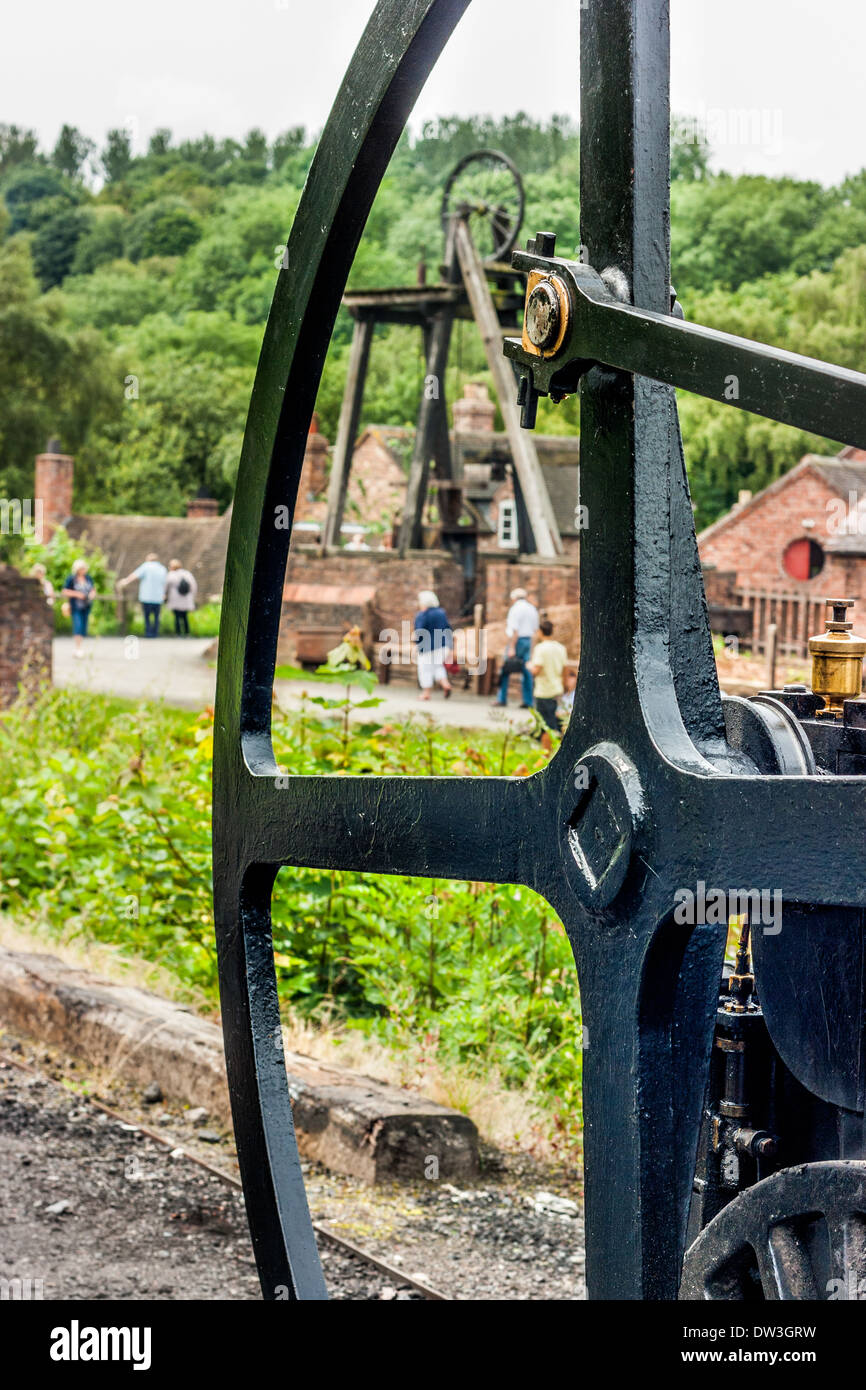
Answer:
(181, 592)
(78, 591)
(434, 640)
(521, 626)
(547, 664)
(151, 578)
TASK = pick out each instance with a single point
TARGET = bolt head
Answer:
(543, 315)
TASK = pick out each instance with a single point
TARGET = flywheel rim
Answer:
(799, 1234)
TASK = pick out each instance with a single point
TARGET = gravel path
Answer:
(140, 1224)
(97, 1210)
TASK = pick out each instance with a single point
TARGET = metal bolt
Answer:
(542, 315)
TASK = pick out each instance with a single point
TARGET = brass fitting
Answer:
(546, 315)
(837, 660)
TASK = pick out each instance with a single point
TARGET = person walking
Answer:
(434, 640)
(521, 626)
(78, 590)
(151, 578)
(547, 664)
(181, 592)
(40, 572)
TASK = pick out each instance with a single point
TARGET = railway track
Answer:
(172, 1144)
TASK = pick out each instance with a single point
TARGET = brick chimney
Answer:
(53, 487)
(315, 467)
(476, 410)
(202, 505)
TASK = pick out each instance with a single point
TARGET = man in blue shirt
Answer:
(151, 578)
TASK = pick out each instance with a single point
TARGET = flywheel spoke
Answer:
(475, 828)
(784, 1265)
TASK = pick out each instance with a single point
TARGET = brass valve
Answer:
(837, 659)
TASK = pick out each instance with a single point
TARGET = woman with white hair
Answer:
(78, 592)
(434, 640)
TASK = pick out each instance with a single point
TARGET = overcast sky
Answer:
(224, 66)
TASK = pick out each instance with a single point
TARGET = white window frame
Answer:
(506, 524)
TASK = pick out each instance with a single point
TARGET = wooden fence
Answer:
(797, 617)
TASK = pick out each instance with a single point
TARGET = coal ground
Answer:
(96, 1209)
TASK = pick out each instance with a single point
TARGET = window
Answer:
(507, 525)
(803, 559)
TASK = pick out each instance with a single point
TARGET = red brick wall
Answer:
(549, 586)
(396, 582)
(26, 630)
(753, 543)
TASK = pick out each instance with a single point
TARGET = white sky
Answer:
(225, 65)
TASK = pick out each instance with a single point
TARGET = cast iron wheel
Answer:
(800, 1234)
(487, 188)
(644, 796)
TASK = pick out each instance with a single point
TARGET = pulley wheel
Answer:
(487, 189)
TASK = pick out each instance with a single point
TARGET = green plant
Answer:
(105, 833)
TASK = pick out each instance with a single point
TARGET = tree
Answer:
(101, 240)
(71, 152)
(690, 152)
(28, 189)
(167, 227)
(54, 379)
(160, 142)
(54, 245)
(117, 155)
(17, 146)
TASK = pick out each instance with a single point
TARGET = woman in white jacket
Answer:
(181, 592)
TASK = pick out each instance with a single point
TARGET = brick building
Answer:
(780, 553)
(199, 539)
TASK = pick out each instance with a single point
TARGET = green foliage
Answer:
(117, 296)
(105, 831)
(117, 155)
(32, 193)
(71, 151)
(100, 241)
(55, 244)
(17, 146)
(55, 378)
(59, 554)
(166, 227)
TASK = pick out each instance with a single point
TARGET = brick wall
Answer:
(719, 586)
(548, 585)
(753, 540)
(395, 582)
(26, 630)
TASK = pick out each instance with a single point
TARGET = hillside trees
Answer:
(166, 272)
